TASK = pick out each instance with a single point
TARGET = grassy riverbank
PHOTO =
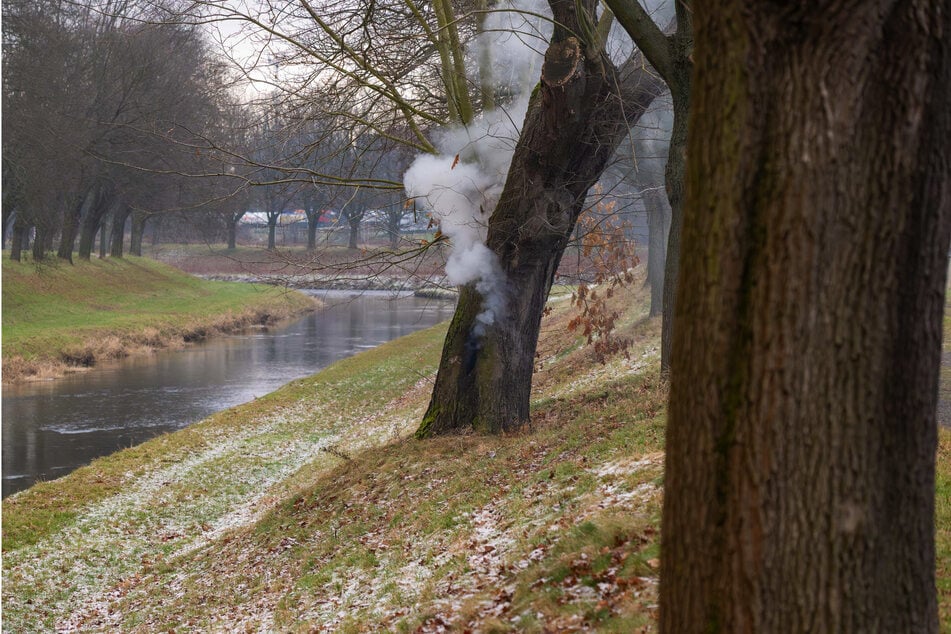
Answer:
(57, 316)
(314, 508)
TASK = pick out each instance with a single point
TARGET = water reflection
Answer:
(50, 428)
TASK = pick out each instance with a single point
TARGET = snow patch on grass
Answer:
(164, 514)
(599, 374)
(627, 466)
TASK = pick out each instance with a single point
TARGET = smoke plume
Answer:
(463, 182)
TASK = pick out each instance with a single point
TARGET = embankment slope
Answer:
(313, 508)
(58, 317)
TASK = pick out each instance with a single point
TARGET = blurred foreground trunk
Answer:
(799, 492)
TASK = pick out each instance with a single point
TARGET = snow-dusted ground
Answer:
(70, 580)
(184, 529)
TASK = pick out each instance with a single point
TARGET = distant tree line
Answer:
(101, 117)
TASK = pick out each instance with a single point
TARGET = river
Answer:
(52, 427)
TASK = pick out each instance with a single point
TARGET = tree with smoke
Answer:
(573, 122)
(506, 161)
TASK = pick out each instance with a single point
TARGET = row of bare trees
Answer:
(111, 115)
(98, 120)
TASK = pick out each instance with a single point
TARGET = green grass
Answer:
(243, 522)
(50, 309)
(943, 528)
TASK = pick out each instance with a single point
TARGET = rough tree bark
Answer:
(799, 485)
(574, 123)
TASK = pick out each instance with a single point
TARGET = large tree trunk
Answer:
(658, 227)
(574, 123)
(119, 219)
(799, 486)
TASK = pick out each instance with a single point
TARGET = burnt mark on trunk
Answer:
(471, 350)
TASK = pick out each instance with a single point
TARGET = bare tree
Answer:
(672, 57)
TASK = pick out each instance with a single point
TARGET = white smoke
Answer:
(515, 36)
(462, 185)
(463, 182)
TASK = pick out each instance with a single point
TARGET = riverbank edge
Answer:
(111, 346)
(433, 287)
(104, 345)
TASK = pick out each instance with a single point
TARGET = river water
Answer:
(53, 427)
